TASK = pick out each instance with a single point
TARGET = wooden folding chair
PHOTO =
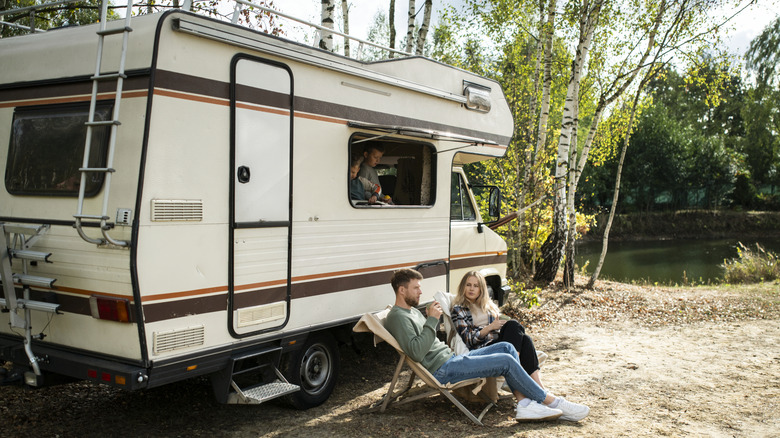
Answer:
(374, 323)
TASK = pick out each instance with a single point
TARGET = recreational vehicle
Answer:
(183, 208)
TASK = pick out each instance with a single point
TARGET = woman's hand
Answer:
(496, 324)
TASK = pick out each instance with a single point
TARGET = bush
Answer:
(751, 266)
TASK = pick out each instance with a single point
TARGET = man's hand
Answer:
(434, 310)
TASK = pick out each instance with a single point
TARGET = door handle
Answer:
(243, 174)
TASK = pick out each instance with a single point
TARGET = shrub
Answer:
(751, 266)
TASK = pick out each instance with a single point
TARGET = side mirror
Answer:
(494, 203)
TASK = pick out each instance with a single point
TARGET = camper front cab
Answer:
(201, 223)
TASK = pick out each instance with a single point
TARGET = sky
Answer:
(746, 26)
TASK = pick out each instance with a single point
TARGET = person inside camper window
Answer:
(371, 157)
(361, 189)
(416, 334)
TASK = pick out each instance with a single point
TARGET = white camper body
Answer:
(238, 243)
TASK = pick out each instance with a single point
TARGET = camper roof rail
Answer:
(189, 5)
(240, 3)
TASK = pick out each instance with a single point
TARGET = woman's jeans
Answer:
(499, 359)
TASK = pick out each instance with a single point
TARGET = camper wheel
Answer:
(314, 368)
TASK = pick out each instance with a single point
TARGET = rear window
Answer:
(47, 149)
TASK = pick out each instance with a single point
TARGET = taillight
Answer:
(109, 308)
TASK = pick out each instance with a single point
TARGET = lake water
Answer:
(666, 261)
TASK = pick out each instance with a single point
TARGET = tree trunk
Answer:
(345, 17)
(326, 38)
(552, 249)
(605, 239)
(410, 27)
(391, 18)
(423, 33)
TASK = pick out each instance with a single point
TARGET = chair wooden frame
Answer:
(374, 323)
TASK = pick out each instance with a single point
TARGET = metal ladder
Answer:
(18, 241)
(113, 124)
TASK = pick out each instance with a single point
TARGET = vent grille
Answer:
(167, 210)
(261, 314)
(178, 339)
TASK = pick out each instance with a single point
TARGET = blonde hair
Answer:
(483, 300)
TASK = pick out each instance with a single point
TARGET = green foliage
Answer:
(751, 266)
(50, 17)
(524, 296)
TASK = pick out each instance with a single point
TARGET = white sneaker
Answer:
(541, 356)
(536, 412)
(572, 411)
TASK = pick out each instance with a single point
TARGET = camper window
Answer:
(398, 172)
(460, 203)
(47, 149)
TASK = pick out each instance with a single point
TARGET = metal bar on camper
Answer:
(317, 26)
(421, 132)
(21, 26)
(40, 6)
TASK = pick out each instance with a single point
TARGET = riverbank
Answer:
(649, 361)
(687, 225)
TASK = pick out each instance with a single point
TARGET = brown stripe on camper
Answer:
(76, 91)
(472, 260)
(154, 312)
(311, 108)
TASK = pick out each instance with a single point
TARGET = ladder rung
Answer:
(34, 280)
(115, 31)
(21, 303)
(108, 77)
(91, 216)
(27, 254)
(96, 169)
(103, 123)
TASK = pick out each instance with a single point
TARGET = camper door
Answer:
(260, 231)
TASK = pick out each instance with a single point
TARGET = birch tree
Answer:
(327, 20)
(410, 27)
(345, 19)
(552, 249)
(422, 34)
(391, 21)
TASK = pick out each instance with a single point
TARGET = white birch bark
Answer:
(410, 28)
(423, 32)
(391, 21)
(552, 250)
(345, 18)
(327, 20)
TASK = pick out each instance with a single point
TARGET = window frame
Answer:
(18, 159)
(365, 137)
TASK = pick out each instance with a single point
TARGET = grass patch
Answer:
(751, 266)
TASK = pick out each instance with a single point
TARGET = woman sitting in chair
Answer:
(479, 323)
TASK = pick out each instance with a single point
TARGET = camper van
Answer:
(176, 201)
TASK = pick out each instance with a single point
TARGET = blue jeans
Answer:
(499, 359)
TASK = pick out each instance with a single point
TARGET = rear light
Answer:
(109, 308)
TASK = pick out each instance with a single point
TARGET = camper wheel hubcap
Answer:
(315, 368)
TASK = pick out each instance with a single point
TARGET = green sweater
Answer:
(416, 335)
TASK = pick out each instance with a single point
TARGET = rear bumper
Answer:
(75, 364)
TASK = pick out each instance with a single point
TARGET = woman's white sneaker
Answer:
(536, 412)
(571, 411)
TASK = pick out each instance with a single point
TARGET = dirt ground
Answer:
(648, 361)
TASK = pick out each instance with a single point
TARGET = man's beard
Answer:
(412, 301)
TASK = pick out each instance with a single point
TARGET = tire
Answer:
(314, 368)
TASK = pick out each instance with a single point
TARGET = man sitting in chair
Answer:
(416, 335)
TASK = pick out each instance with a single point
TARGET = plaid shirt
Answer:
(464, 324)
